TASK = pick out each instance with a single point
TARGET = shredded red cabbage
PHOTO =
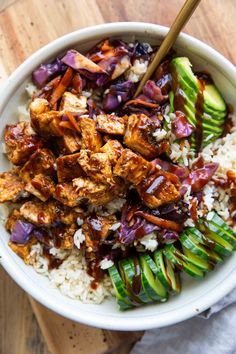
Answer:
(180, 171)
(117, 94)
(152, 91)
(169, 236)
(180, 126)
(197, 179)
(46, 72)
(21, 232)
(178, 212)
(86, 67)
(135, 228)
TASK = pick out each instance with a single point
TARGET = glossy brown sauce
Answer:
(137, 284)
(53, 262)
(199, 110)
(41, 217)
(179, 99)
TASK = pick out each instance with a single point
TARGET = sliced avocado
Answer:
(213, 112)
(181, 66)
(213, 98)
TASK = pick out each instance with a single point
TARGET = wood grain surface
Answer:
(27, 25)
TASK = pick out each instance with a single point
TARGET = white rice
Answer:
(222, 151)
(71, 277)
(106, 263)
(159, 134)
(137, 70)
(79, 238)
(149, 242)
(72, 280)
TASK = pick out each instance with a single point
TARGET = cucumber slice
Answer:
(127, 270)
(177, 258)
(153, 287)
(143, 296)
(204, 265)
(189, 241)
(162, 271)
(220, 245)
(120, 290)
(217, 225)
(150, 263)
(173, 276)
(214, 257)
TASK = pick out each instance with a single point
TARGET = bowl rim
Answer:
(191, 308)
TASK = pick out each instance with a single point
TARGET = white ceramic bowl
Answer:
(196, 296)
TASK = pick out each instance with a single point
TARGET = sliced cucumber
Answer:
(194, 245)
(127, 270)
(204, 265)
(120, 291)
(217, 225)
(220, 245)
(214, 257)
(150, 263)
(153, 287)
(162, 271)
(176, 258)
(173, 277)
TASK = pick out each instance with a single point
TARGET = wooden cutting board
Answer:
(25, 26)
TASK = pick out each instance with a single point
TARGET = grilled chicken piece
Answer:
(97, 166)
(68, 168)
(97, 193)
(63, 236)
(159, 188)
(68, 216)
(41, 162)
(41, 186)
(39, 213)
(113, 149)
(96, 229)
(154, 186)
(23, 251)
(91, 139)
(13, 217)
(12, 187)
(67, 194)
(44, 121)
(110, 124)
(69, 143)
(139, 136)
(21, 142)
(132, 167)
(73, 103)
